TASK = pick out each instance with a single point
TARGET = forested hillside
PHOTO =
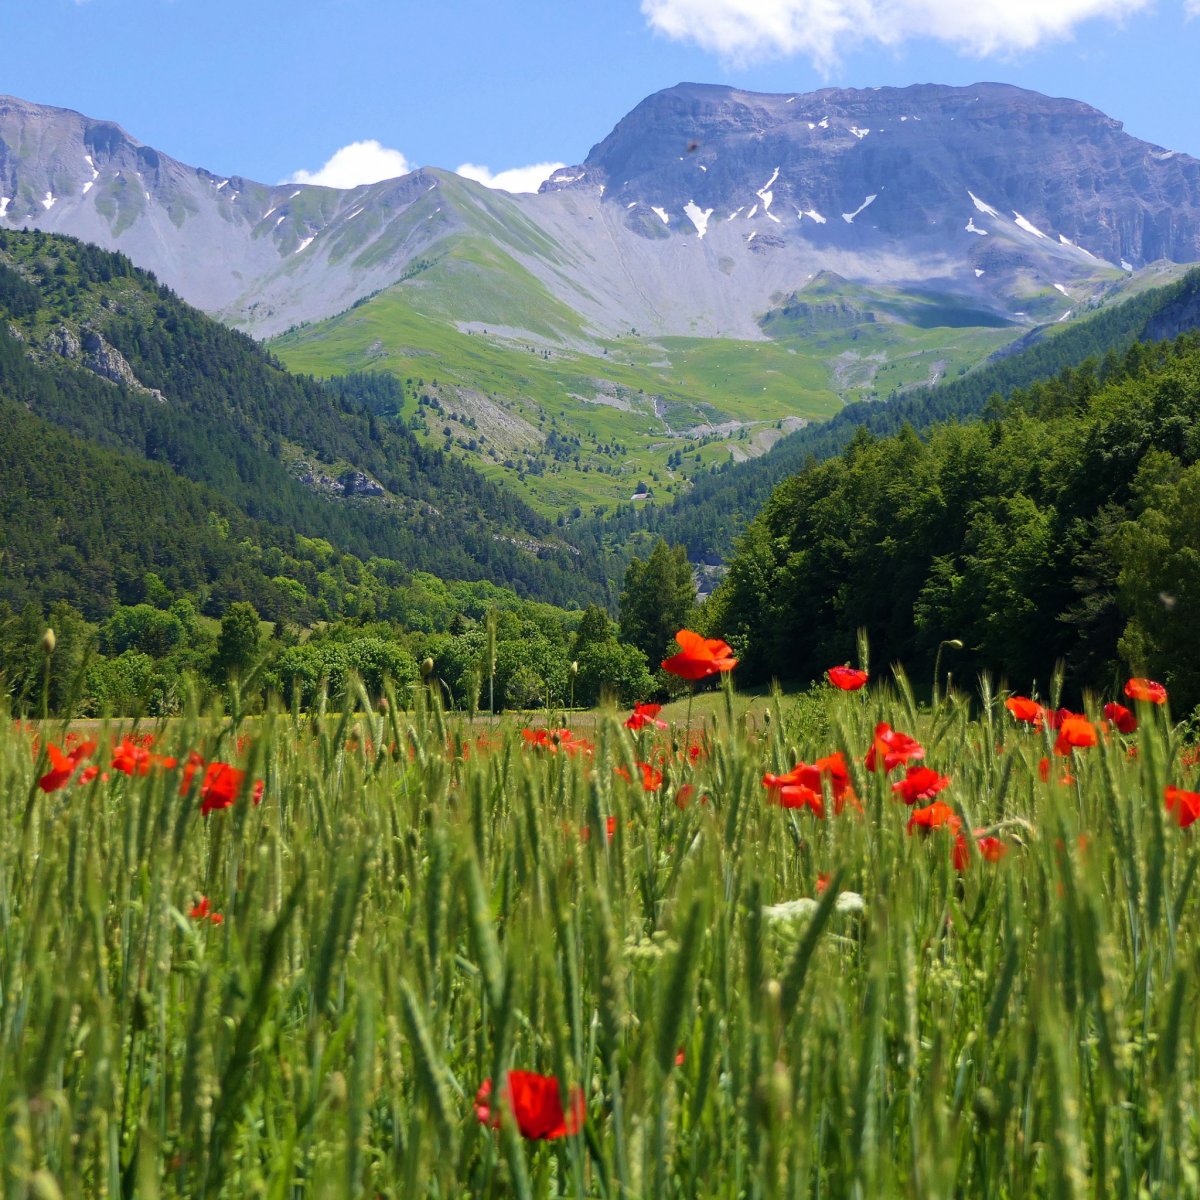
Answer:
(709, 518)
(126, 375)
(1063, 526)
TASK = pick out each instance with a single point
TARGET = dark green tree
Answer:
(657, 600)
(238, 642)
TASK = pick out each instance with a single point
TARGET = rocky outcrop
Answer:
(911, 157)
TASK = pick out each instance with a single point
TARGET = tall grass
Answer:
(415, 907)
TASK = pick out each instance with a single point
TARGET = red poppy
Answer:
(220, 787)
(554, 740)
(203, 911)
(134, 758)
(651, 777)
(1056, 717)
(1026, 710)
(895, 748)
(1184, 805)
(1146, 689)
(1044, 773)
(823, 878)
(920, 783)
(683, 797)
(1121, 717)
(801, 787)
(849, 679)
(535, 1104)
(62, 766)
(90, 773)
(935, 816)
(645, 714)
(991, 849)
(699, 657)
(790, 793)
(1075, 733)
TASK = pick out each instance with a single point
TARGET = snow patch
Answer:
(698, 216)
(751, 212)
(295, 193)
(358, 212)
(1163, 155)
(979, 204)
(765, 194)
(752, 237)
(266, 214)
(849, 217)
(146, 194)
(1028, 226)
(816, 216)
(734, 213)
(790, 100)
(5, 201)
(823, 124)
(1127, 266)
(303, 245)
(978, 272)
(662, 214)
(971, 227)
(1058, 287)
(223, 183)
(49, 201)
(859, 133)
(700, 165)
(280, 220)
(1066, 316)
(87, 187)
(1066, 241)
(632, 204)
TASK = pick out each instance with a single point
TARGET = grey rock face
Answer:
(921, 152)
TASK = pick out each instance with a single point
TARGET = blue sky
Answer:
(270, 88)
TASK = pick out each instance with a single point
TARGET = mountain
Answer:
(722, 267)
(701, 207)
(109, 365)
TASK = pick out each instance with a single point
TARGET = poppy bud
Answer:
(575, 667)
(383, 704)
(426, 668)
(955, 644)
(49, 641)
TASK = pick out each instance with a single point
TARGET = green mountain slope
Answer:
(578, 421)
(99, 349)
(709, 518)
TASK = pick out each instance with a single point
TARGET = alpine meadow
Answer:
(672, 676)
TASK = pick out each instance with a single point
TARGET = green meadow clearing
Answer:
(302, 997)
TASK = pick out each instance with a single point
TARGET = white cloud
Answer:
(355, 164)
(516, 179)
(1192, 8)
(822, 30)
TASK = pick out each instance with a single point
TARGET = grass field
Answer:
(751, 1001)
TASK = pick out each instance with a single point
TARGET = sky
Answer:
(351, 91)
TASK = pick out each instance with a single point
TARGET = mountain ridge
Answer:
(882, 185)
